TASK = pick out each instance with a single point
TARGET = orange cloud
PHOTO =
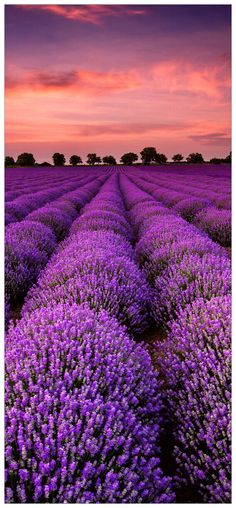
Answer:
(182, 76)
(43, 135)
(169, 77)
(125, 129)
(40, 131)
(80, 82)
(87, 13)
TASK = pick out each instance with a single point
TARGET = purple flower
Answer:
(82, 412)
(189, 207)
(54, 218)
(191, 278)
(100, 279)
(217, 224)
(27, 248)
(198, 373)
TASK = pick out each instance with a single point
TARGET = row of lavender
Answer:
(87, 430)
(216, 188)
(22, 180)
(190, 277)
(200, 187)
(30, 242)
(108, 409)
(34, 184)
(23, 205)
(199, 210)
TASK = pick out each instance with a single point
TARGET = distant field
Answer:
(117, 311)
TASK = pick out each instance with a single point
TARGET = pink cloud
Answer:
(115, 129)
(183, 76)
(212, 138)
(109, 130)
(169, 77)
(87, 13)
(78, 81)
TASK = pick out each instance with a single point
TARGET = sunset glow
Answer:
(110, 79)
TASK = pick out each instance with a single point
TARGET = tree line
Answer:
(149, 155)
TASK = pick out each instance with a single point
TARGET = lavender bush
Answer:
(189, 207)
(100, 279)
(217, 223)
(162, 230)
(82, 412)
(58, 220)
(172, 252)
(109, 242)
(27, 248)
(198, 370)
(97, 220)
(191, 278)
(86, 413)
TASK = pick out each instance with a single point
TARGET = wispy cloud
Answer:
(88, 13)
(169, 77)
(121, 129)
(183, 76)
(212, 138)
(78, 81)
(26, 131)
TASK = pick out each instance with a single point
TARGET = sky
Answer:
(115, 78)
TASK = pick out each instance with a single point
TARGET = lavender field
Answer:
(117, 317)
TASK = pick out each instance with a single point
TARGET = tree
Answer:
(178, 157)
(109, 159)
(25, 159)
(45, 164)
(161, 158)
(195, 158)
(215, 160)
(9, 161)
(75, 159)
(92, 158)
(148, 155)
(58, 159)
(228, 158)
(129, 158)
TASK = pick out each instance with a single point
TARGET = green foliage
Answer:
(219, 160)
(58, 159)
(109, 159)
(92, 159)
(178, 157)
(148, 155)
(75, 159)
(215, 160)
(129, 158)
(195, 158)
(161, 158)
(25, 159)
(9, 161)
(228, 158)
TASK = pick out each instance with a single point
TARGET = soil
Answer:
(154, 340)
